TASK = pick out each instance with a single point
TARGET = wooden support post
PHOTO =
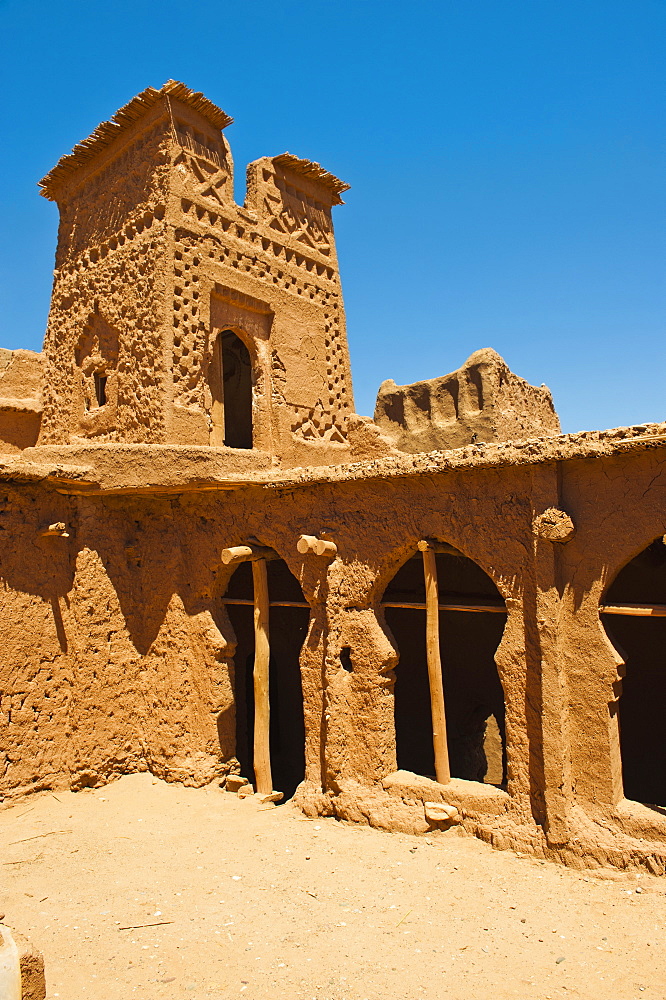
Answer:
(442, 769)
(262, 713)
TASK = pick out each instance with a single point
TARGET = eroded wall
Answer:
(482, 401)
(121, 650)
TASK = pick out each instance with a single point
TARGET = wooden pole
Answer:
(481, 608)
(442, 769)
(493, 608)
(262, 717)
(640, 610)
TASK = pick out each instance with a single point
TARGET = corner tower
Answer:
(180, 317)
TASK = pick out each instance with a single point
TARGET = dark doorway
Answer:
(288, 629)
(230, 383)
(641, 642)
(473, 694)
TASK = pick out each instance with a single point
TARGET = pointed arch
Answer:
(289, 622)
(633, 613)
(473, 693)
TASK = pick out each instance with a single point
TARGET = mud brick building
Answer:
(213, 568)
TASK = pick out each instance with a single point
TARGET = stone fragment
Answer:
(245, 791)
(271, 797)
(33, 979)
(440, 812)
(21, 968)
(10, 973)
(235, 781)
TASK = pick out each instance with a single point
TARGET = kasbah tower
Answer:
(161, 278)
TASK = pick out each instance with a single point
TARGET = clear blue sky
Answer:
(507, 163)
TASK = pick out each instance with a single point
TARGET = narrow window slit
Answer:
(100, 389)
(346, 660)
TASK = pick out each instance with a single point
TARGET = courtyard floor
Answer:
(258, 901)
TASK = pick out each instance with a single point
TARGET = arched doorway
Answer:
(230, 383)
(633, 612)
(289, 620)
(472, 616)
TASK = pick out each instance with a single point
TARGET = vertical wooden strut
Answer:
(442, 769)
(262, 716)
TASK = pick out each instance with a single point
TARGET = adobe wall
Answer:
(109, 285)
(483, 400)
(119, 654)
(21, 376)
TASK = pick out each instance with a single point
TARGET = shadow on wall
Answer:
(141, 558)
(19, 429)
(36, 552)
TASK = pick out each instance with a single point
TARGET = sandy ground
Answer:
(260, 901)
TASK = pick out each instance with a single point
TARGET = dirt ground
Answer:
(260, 901)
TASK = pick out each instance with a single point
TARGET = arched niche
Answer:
(230, 383)
(289, 619)
(633, 613)
(472, 618)
(96, 355)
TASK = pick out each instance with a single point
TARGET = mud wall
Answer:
(119, 651)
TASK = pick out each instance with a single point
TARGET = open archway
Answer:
(289, 619)
(230, 384)
(472, 616)
(633, 613)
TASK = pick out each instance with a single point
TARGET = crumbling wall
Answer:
(481, 401)
(21, 378)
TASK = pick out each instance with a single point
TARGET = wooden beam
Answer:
(639, 610)
(316, 546)
(445, 549)
(262, 713)
(442, 768)
(498, 609)
(493, 608)
(244, 601)
(246, 553)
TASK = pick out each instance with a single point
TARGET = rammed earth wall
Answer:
(119, 652)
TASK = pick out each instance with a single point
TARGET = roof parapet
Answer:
(314, 172)
(108, 131)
